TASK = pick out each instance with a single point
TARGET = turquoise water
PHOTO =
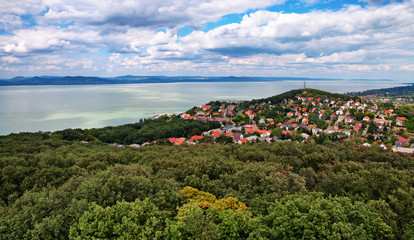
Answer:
(49, 108)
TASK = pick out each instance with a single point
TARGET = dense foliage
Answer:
(146, 130)
(58, 189)
(402, 92)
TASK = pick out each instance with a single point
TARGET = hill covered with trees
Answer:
(65, 189)
(403, 92)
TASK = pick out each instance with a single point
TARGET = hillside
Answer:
(73, 184)
(401, 92)
(308, 92)
(59, 189)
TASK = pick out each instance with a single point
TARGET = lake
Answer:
(49, 108)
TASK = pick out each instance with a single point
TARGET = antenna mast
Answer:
(304, 84)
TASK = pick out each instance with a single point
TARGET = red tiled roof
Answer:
(196, 138)
(401, 139)
(176, 141)
(216, 133)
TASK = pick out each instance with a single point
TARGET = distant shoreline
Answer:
(81, 80)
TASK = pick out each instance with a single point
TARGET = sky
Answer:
(273, 38)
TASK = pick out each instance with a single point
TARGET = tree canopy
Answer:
(53, 188)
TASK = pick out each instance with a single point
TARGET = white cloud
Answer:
(10, 59)
(407, 67)
(151, 14)
(11, 12)
(22, 7)
(355, 38)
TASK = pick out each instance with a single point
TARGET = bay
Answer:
(50, 108)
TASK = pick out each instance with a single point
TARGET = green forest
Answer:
(146, 130)
(400, 92)
(53, 186)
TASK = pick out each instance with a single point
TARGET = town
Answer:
(311, 116)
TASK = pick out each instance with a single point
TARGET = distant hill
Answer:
(129, 79)
(405, 91)
(308, 92)
(68, 80)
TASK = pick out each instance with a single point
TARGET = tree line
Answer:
(146, 130)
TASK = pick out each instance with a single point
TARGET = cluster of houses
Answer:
(338, 112)
(299, 119)
(233, 132)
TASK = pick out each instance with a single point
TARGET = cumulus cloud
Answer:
(151, 14)
(45, 39)
(10, 59)
(143, 36)
(11, 12)
(22, 7)
(312, 33)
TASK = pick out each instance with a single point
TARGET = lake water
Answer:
(49, 108)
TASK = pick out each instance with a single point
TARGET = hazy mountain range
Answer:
(128, 79)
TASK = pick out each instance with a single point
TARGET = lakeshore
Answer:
(49, 108)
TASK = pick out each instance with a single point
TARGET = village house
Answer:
(339, 112)
(196, 138)
(383, 146)
(304, 135)
(237, 137)
(176, 141)
(316, 131)
(399, 121)
(381, 122)
(349, 120)
(403, 150)
(206, 108)
(389, 112)
(358, 125)
(401, 141)
(252, 138)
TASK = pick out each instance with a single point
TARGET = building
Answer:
(399, 121)
(349, 120)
